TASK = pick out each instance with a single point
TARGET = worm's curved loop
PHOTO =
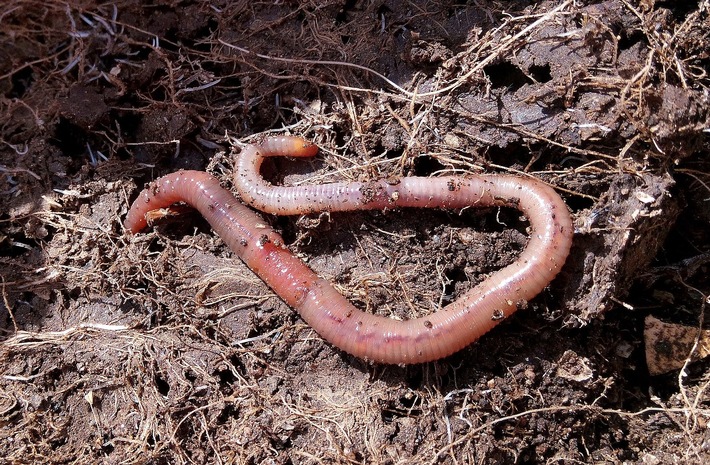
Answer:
(363, 334)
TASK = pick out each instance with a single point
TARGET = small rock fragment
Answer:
(668, 345)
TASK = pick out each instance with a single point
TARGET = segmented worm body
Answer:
(363, 334)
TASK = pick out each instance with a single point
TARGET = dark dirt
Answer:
(163, 348)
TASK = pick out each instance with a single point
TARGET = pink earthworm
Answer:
(362, 334)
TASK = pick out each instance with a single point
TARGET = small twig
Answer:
(7, 304)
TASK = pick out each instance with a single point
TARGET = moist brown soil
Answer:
(164, 348)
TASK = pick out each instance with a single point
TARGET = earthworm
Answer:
(362, 334)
